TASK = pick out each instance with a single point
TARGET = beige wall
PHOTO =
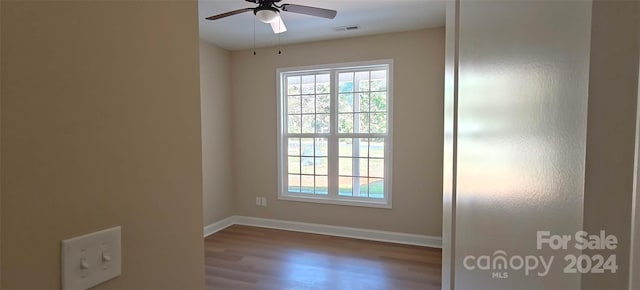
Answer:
(101, 127)
(418, 121)
(215, 95)
(613, 91)
(521, 122)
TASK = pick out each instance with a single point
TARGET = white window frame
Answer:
(333, 197)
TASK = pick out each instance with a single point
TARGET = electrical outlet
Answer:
(263, 201)
(91, 259)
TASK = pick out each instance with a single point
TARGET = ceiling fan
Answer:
(269, 12)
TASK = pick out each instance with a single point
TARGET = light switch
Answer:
(91, 259)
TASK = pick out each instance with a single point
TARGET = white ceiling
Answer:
(372, 16)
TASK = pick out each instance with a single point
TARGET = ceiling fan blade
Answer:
(278, 25)
(308, 10)
(234, 12)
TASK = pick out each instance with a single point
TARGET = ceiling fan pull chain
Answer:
(254, 36)
(279, 36)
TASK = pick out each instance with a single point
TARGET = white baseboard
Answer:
(218, 226)
(357, 233)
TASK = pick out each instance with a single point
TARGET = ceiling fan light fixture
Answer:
(267, 15)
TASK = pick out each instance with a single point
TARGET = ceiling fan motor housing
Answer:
(264, 2)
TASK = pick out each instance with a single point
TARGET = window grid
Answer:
(307, 117)
(356, 159)
(314, 98)
(356, 86)
(315, 157)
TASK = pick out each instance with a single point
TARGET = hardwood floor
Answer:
(243, 257)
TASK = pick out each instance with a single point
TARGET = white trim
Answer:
(333, 196)
(348, 232)
(218, 226)
(342, 65)
(349, 201)
(634, 261)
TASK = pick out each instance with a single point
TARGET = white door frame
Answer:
(634, 263)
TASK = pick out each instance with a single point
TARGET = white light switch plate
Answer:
(91, 259)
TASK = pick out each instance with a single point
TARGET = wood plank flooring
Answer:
(243, 257)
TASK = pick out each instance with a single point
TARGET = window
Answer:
(335, 134)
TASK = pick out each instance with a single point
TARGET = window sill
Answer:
(342, 201)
